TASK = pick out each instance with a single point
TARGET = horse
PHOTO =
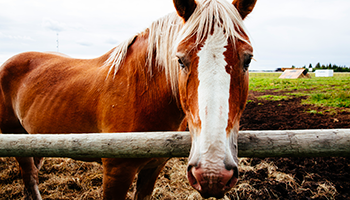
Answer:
(189, 67)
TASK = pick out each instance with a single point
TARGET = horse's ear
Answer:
(185, 8)
(244, 7)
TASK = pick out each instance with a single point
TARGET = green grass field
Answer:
(322, 92)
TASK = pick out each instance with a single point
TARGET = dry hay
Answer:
(60, 178)
(64, 178)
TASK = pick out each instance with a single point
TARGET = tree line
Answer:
(335, 68)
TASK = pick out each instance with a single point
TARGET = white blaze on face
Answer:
(213, 99)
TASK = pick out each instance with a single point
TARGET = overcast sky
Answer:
(283, 32)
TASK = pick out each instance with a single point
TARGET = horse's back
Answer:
(43, 92)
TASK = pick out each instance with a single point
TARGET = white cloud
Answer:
(16, 37)
(53, 25)
(283, 33)
(112, 41)
(299, 32)
(84, 43)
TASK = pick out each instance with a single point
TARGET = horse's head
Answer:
(214, 54)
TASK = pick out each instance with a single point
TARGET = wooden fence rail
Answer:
(288, 143)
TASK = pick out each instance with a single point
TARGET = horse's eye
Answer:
(181, 63)
(247, 61)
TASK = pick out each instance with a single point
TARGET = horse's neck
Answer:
(144, 100)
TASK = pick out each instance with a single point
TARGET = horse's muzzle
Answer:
(212, 184)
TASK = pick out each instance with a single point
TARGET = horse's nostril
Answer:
(189, 167)
(234, 179)
(192, 179)
(233, 167)
(235, 172)
(232, 182)
(190, 176)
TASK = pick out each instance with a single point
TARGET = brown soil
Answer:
(290, 114)
(269, 178)
(307, 172)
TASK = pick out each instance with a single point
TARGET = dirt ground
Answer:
(269, 178)
(308, 173)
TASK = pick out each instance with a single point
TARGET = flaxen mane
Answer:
(166, 33)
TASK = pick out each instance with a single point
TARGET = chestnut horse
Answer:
(190, 66)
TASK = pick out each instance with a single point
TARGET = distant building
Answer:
(295, 73)
(324, 73)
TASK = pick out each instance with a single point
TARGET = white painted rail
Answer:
(286, 143)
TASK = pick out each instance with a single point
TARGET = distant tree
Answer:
(310, 65)
(335, 68)
(318, 66)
